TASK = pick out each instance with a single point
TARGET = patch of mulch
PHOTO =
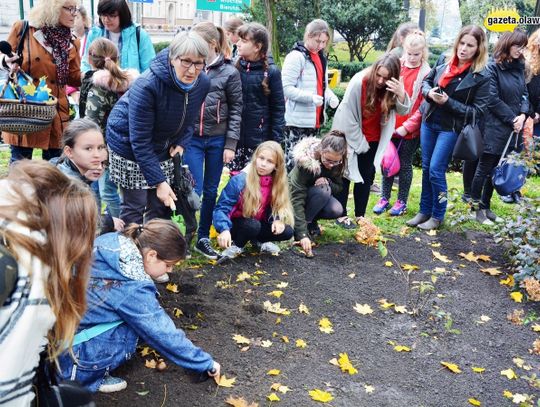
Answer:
(448, 328)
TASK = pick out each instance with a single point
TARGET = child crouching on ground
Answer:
(255, 204)
(122, 306)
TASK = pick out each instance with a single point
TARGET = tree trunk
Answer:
(317, 8)
(422, 16)
(406, 6)
(270, 8)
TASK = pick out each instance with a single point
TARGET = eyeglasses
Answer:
(331, 163)
(186, 63)
(72, 10)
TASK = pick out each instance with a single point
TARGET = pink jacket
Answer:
(266, 200)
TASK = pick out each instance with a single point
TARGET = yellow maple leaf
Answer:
(239, 402)
(224, 382)
(273, 397)
(276, 293)
(385, 304)
(508, 394)
(484, 257)
(441, 257)
(400, 309)
(150, 364)
(145, 351)
(474, 402)
(285, 339)
(172, 287)
(243, 276)
(363, 309)
(369, 389)
(325, 326)
(535, 327)
(303, 309)
(241, 340)
(508, 281)
(478, 369)
(470, 256)
(509, 373)
(402, 348)
(345, 364)
(518, 362)
(388, 263)
(177, 312)
(409, 267)
(266, 344)
(492, 271)
(273, 372)
(452, 367)
(300, 343)
(516, 296)
(320, 395)
(282, 285)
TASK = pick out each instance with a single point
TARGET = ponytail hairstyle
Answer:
(103, 54)
(52, 204)
(258, 34)
(387, 100)
(160, 235)
(417, 40)
(335, 142)
(215, 37)
(251, 196)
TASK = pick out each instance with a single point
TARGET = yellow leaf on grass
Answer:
(509, 373)
(303, 309)
(224, 382)
(243, 276)
(441, 257)
(320, 395)
(239, 402)
(400, 309)
(492, 271)
(402, 348)
(241, 340)
(516, 296)
(282, 285)
(345, 364)
(474, 402)
(409, 267)
(150, 364)
(363, 309)
(276, 293)
(300, 343)
(273, 372)
(385, 304)
(478, 369)
(369, 389)
(172, 287)
(266, 344)
(535, 327)
(325, 326)
(273, 397)
(452, 367)
(388, 263)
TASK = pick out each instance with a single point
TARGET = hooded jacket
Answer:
(154, 115)
(262, 116)
(221, 112)
(306, 171)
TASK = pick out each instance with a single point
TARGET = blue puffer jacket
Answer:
(111, 297)
(263, 117)
(132, 55)
(153, 115)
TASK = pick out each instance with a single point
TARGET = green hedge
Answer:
(158, 46)
(348, 69)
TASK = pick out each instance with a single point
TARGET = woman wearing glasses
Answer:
(50, 50)
(152, 122)
(115, 23)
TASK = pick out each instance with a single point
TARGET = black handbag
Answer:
(469, 145)
(508, 176)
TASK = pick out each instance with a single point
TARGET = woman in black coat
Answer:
(508, 108)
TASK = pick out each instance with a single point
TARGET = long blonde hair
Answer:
(66, 211)
(251, 196)
(46, 13)
(414, 40)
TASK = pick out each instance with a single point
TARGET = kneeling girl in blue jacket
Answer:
(255, 205)
(123, 307)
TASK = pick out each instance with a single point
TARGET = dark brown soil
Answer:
(447, 329)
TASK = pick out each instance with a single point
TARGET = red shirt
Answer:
(409, 75)
(319, 70)
(371, 121)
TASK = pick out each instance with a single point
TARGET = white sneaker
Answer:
(112, 384)
(162, 279)
(270, 248)
(232, 252)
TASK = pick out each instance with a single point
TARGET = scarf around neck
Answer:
(59, 39)
(452, 70)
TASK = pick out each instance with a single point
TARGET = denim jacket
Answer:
(113, 296)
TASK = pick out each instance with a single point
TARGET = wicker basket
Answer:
(25, 117)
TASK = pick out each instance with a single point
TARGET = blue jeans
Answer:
(204, 156)
(437, 147)
(106, 191)
(22, 153)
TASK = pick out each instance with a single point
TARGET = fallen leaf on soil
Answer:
(484, 257)
(345, 364)
(278, 320)
(509, 373)
(172, 287)
(300, 343)
(161, 365)
(452, 367)
(516, 296)
(266, 344)
(536, 347)
(224, 382)
(241, 340)
(273, 397)
(279, 387)
(193, 327)
(508, 394)
(282, 284)
(275, 308)
(352, 275)
(369, 389)
(276, 293)
(441, 257)
(143, 393)
(492, 271)
(474, 402)
(363, 309)
(432, 232)
(273, 372)
(469, 256)
(243, 276)
(535, 327)
(150, 364)
(519, 398)
(285, 339)
(483, 319)
(385, 304)
(260, 273)
(521, 364)
(177, 312)
(435, 245)
(388, 263)
(478, 369)
(402, 348)
(508, 281)
(320, 395)
(409, 267)
(400, 309)
(325, 326)
(239, 402)
(516, 317)
(145, 351)
(303, 309)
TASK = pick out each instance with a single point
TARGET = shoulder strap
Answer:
(138, 34)
(9, 271)
(22, 34)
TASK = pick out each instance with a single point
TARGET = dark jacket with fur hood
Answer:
(307, 169)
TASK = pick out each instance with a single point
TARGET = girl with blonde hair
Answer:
(255, 204)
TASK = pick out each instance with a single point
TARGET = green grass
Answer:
(341, 51)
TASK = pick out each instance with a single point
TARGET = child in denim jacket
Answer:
(120, 290)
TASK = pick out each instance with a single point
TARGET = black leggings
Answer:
(245, 229)
(406, 154)
(469, 169)
(482, 187)
(320, 204)
(361, 189)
